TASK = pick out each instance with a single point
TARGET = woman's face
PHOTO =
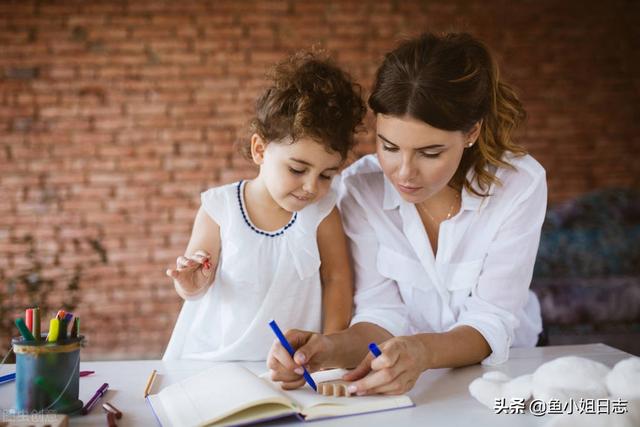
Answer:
(417, 158)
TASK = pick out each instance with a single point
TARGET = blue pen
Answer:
(373, 348)
(8, 378)
(287, 346)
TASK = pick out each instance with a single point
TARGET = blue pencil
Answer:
(8, 378)
(287, 346)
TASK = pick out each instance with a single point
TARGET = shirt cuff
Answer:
(493, 330)
(392, 323)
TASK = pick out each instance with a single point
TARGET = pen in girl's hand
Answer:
(287, 346)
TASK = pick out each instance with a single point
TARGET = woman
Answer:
(444, 224)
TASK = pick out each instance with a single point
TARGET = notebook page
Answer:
(305, 397)
(315, 404)
(158, 410)
(214, 394)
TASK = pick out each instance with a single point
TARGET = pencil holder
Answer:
(47, 375)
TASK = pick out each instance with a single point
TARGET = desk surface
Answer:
(441, 395)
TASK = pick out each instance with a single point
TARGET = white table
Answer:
(441, 396)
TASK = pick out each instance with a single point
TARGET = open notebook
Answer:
(232, 395)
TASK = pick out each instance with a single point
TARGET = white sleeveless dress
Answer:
(260, 276)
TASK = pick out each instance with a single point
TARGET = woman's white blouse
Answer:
(481, 273)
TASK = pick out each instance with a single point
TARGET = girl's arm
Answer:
(194, 274)
(335, 273)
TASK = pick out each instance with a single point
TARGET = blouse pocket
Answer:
(398, 267)
(461, 279)
(417, 292)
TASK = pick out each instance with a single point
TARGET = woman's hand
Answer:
(395, 371)
(192, 274)
(312, 349)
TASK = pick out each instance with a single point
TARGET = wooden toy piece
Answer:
(336, 388)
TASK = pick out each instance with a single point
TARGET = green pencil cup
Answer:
(47, 375)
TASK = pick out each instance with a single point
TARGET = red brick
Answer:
(146, 109)
(181, 58)
(173, 45)
(222, 31)
(113, 72)
(125, 206)
(112, 123)
(174, 97)
(66, 178)
(202, 110)
(214, 19)
(147, 242)
(152, 32)
(140, 163)
(223, 92)
(217, 45)
(96, 178)
(127, 59)
(265, 59)
(150, 177)
(62, 72)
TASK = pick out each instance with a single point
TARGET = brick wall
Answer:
(114, 115)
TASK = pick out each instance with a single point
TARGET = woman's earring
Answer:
(469, 145)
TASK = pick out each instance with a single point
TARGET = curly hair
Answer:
(451, 82)
(310, 97)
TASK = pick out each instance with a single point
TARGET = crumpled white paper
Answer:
(566, 378)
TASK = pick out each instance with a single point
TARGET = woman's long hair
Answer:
(451, 82)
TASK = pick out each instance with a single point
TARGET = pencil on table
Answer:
(152, 378)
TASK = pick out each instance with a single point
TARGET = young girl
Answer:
(273, 247)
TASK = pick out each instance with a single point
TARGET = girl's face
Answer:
(297, 174)
(417, 158)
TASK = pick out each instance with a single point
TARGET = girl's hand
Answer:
(395, 371)
(192, 274)
(312, 349)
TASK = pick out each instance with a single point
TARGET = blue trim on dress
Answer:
(246, 217)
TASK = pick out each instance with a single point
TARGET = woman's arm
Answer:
(502, 291)
(488, 319)
(404, 359)
(351, 345)
(461, 346)
(336, 274)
